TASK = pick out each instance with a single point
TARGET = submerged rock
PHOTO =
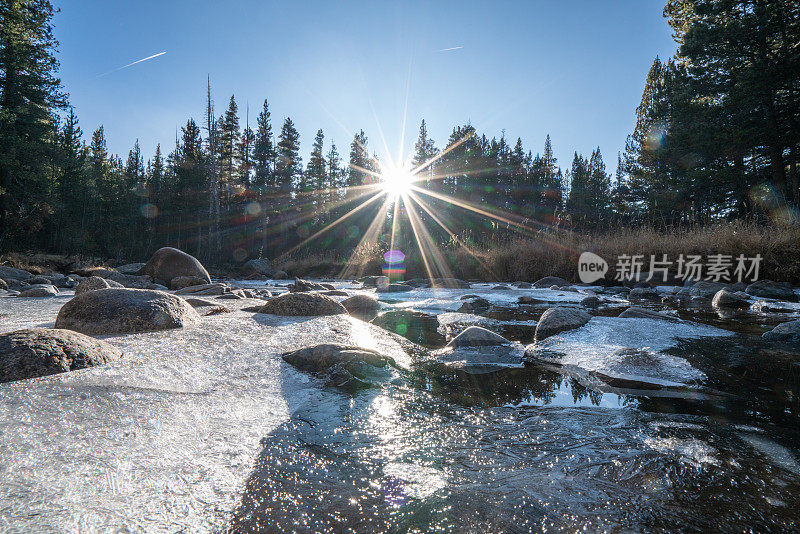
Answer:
(474, 305)
(560, 319)
(590, 302)
(549, 281)
(344, 366)
(419, 327)
(45, 351)
(784, 332)
(635, 312)
(643, 293)
(702, 288)
(765, 306)
(168, 263)
(394, 288)
(475, 336)
(771, 290)
(302, 304)
(40, 290)
(477, 350)
(125, 311)
(725, 298)
(362, 306)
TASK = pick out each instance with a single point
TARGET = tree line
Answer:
(716, 137)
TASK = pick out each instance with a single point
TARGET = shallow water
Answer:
(207, 429)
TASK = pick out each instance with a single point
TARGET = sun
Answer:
(396, 181)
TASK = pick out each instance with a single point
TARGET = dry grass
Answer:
(551, 253)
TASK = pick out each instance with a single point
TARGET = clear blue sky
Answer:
(573, 69)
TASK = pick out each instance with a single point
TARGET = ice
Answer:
(629, 349)
(449, 300)
(163, 439)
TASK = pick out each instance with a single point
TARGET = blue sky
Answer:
(573, 69)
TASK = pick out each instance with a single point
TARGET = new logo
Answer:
(591, 267)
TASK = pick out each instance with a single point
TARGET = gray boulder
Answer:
(726, 299)
(260, 267)
(130, 268)
(10, 273)
(130, 280)
(590, 302)
(766, 306)
(771, 290)
(45, 351)
(475, 336)
(125, 311)
(300, 286)
(40, 290)
(560, 319)
(643, 293)
(549, 281)
(474, 305)
(91, 283)
(362, 306)
(3, 285)
(204, 290)
(199, 303)
(702, 288)
(342, 366)
(168, 263)
(784, 332)
(302, 304)
(394, 288)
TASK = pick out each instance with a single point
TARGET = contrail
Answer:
(132, 64)
(453, 48)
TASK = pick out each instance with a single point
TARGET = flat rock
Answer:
(549, 281)
(125, 311)
(342, 366)
(394, 288)
(560, 319)
(44, 351)
(302, 304)
(180, 282)
(199, 303)
(130, 268)
(635, 312)
(771, 290)
(11, 273)
(702, 288)
(204, 290)
(39, 291)
(643, 293)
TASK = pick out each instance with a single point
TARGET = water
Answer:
(207, 429)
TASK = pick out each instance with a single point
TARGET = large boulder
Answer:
(258, 267)
(302, 304)
(45, 351)
(125, 311)
(168, 263)
(548, 281)
(10, 273)
(771, 290)
(788, 332)
(726, 299)
(91, 283)
(560, 319)
(362, 306)
(40, 290)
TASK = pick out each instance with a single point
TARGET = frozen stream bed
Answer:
(207, 429)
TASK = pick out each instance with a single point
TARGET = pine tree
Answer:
(30, 93)
(264, 150)
(289, 165)
(360, 167)
(335, 175)
(424, 152)
(134, 168)
(315, 169)
(229, 136)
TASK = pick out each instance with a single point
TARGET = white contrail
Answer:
(453, 48)
(132, 64)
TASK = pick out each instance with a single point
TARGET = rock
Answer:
(643, 293)
(343, 366)
(280, 275)
(260, 267)
(236, 294)
(395, 288)
(701, 288)
(373, 281)
(10, 273)
(180, 282)
(523, 285)
(125, 311)
(300, 286)
(475, 336)
(39, 280)
(168, 263)
(784, 332)
(590, 302)
(549, 281)
(419, 327)
(45, 351)
(130, 280)
(91, 283)
(302, 304)
(771, 290)
(199, 303)
(41, 290)
(362, 306)
(765, 306)
(130, 268)
(525, 299)
(560, 319)
(204, 290)
(102, 272)
(474, 305)
(450, 283)
(501, 288)
(725, 298)
(635, 312)
(3, 285)
(335, 293)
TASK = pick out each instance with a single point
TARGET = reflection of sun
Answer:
(396, 181)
